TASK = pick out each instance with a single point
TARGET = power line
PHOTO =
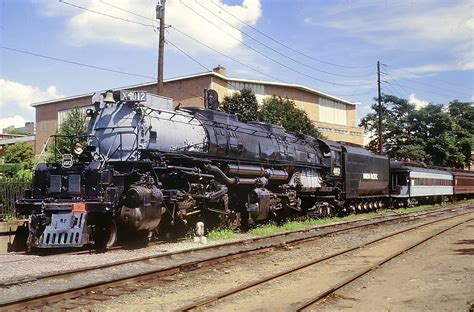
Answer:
(430, 86)
(276, 61)
(355, 94)
(389, 86)
(395, 81)
(207, 69)
(434, 78)
(284, 45)
(184, 34)
(187, 54)
(225, 55)
(198, 41)
(233, 59)
(124, 10)
(75, 63)
(196, 61)
(105, 14)
(265, 45)
(419, 89)
(422, 90)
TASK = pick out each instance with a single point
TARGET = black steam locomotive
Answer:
(147, 167)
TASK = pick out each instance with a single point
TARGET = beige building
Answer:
(335, 117)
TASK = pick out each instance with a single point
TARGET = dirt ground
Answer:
(436, 276)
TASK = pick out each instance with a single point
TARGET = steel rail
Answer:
(338, 228)
(233, 291)
(358, 275)
(73, 292)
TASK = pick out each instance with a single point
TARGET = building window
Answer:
(333, 112)
(258, 89)
(62, 114)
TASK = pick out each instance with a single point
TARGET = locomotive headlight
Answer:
(78, 148)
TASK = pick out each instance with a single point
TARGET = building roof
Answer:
(211, 73)
(25, 138)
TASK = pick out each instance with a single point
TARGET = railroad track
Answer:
(336, 228)
(106, 277)
(82, 251)
(325, 293)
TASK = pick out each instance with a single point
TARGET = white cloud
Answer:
(86, 27)
(17, 121)
(412, 99)
(16, 98)
(442, 27)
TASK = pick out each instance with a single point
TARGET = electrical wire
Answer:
(197, 62)
(225, 55)
(196, 40)
(250, 47)
(267, 46)
(184, 34)
(75, 63)
(355, 94)
(124, 10)
(433, 78)
(277, 61)
(284, 45)
(105, 14)
(422, 90)
(430, 86)
(393, 89)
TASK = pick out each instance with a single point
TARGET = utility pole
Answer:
(160, 14)
(380, 110)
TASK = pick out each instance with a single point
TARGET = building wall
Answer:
(303, 100)
(188, 92)
(309, 102)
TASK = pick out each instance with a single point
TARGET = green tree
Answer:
(71, 131)
(243, 104)
(462, 115)
(20, 153)
(19, 132)
(283, 111)
(431, 134)
(397, 128)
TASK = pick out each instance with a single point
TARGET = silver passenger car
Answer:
(411, 184)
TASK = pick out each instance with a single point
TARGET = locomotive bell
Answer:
(109, 97)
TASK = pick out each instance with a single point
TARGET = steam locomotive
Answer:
(146, 167)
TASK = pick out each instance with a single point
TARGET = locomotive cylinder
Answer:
(143, 207)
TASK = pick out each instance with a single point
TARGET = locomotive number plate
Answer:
(132, 96)
(67, 161)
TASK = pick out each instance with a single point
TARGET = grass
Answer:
(221, 234)
(268, 229)
(272, 228)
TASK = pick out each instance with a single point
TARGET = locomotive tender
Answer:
(147, 167)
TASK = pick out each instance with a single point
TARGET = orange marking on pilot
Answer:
(79, 207)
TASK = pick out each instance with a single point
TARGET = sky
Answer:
(425, 47)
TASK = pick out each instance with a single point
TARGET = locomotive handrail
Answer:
(71, 138)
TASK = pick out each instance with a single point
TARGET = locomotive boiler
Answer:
(146, 167)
